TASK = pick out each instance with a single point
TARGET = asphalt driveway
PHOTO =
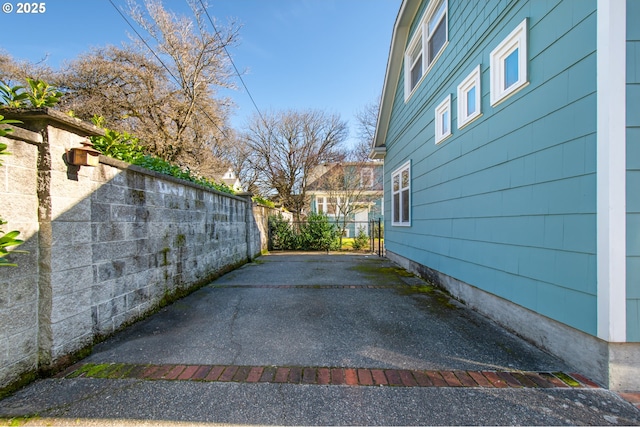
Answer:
(318, 339)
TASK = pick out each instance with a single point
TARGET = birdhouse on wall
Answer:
(83, 156)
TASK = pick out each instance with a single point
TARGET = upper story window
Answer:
(366, 178)
(509, 65)
(469, 97)
(426, 44)
(401, 195)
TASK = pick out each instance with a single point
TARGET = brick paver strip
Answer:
(524, 380)
(495, 379)
(553, 380)
(268, 374)
(378, 377)
(509, 379)
(228, 373)
(407, 379)
(451, 379)
(295, 375)
(422, 379)
(365, 377)
(350, 376)
(324, 376)
(465, 379)
(255, 374)
(309, 376)
(214, 373)
(538, 380)
(337, 376)
(393, 376)
(174, 372)
(241, 374)
(436, 379)
(329, 376)
(159, 373)
(480, 379)
(584, 380)
(282, 374)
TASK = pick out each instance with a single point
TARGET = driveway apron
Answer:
(318, 339)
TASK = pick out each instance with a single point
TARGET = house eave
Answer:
(408, 10)
(378, 153)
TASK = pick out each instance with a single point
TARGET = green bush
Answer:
(361, 241)
(316, 234)
(124, 146)
(281, 233)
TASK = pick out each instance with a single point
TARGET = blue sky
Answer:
(296, 54)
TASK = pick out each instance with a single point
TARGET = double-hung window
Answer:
(509, 64)
(469, 97)
(321, 205)
(401, 195)
(426, 44)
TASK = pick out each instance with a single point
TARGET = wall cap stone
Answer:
(45, 113)
(23, 135)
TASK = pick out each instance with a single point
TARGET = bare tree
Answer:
(288, 145)
(167, 95)
(366, 119)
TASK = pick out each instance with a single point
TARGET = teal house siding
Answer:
(508, 202)
(525, 206)
(633, 171)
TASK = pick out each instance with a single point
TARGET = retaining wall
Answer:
(106, 244)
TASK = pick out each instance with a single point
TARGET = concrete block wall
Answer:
(19, 286)
(106, 244)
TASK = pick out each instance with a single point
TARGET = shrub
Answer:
(361, 240)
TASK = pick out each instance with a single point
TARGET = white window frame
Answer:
(443, 132)
(470, 82)
(422, 37)
(321, 201)
(400, 220)
(516, 40)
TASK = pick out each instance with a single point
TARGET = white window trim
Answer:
(398, 172)
(471, 81)
(443, 107)
(421, 34)
(516, 40)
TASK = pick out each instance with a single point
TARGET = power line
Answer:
(231, 60)
(164, 65)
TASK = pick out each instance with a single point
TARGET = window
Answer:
(469, 98)
(443, 119)
(366, 178)
(427, 42)
(401, 189)
(321, 205)
(509, 65)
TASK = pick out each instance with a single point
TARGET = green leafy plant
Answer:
(361, 240)
(5, 131)
(319, 234)
(42, 94)
(124, 146)
(316, 234)
(37, 93)
(8, 240)
(264, 202)
(12, 96)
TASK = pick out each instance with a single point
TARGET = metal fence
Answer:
(366, 235)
